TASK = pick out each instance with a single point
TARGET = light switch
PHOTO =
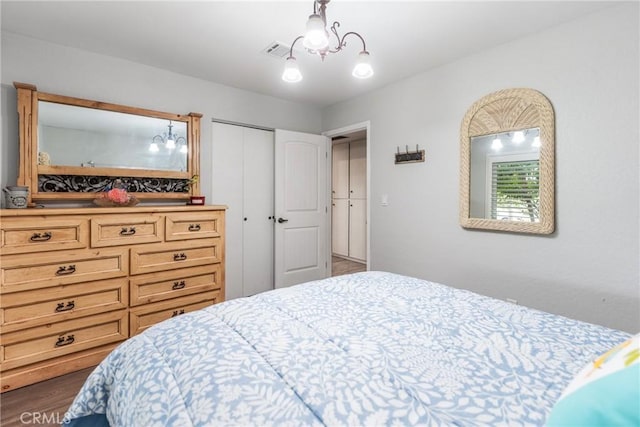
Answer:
(384, 200)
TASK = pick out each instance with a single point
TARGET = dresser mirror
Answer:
(109, 139)
(72, 148)
(507, 163)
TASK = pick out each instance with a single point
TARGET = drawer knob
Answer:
(62, 341)
(179, 257)
(178, 285)
(128, 232)
(40, 237)
(62, 271)
(62, 307)
(177, 312)
(194, 227)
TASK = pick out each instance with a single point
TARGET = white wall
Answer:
(67, 71)
(589, 268)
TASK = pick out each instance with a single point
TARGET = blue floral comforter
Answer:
(368, 349)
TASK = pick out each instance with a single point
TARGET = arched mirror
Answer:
(72, 148)
(507, 163)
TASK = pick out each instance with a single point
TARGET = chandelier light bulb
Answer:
(316, 37)
(316, 41)
(518, 137)
(536, 142)
(169, 140)
(496, 144)
(363, 69)
(291, 72)
(184, 149)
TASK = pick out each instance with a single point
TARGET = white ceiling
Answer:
(222, 41)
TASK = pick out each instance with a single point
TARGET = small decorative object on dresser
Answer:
(197, 200)
(75, 283)
(16, 197)
(116, 196)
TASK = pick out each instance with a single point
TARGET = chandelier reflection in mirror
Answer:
(170, 140)
(316, 41)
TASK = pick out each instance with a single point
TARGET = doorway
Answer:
(349, 234)
(274, 183)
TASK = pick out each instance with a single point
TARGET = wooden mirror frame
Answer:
(30, 169)
(504, 111)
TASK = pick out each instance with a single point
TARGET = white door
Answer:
(300, 207)
(227, 190)
(340, 227)
(358, 169)
(242, 179)
(340, 171)
(257, 236)
(358, 229)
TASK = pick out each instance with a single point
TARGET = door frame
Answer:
(366, 125)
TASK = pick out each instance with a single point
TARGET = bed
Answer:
(366, 349)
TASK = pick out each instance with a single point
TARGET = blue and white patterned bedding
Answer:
(367, 349)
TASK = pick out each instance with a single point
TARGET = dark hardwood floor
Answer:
(41, 404)
(340, 266)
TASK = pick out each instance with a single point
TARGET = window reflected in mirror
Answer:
(505, 176)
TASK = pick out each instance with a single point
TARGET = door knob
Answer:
(281, 220)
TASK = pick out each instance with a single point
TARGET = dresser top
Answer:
(114, 210)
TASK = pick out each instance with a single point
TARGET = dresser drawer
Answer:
(20, 310)
(194, 225)
(32, 345)
(154, 287)
(173, 255)
(147, 315)
(19, 235)
(126, 230)
(24, 272)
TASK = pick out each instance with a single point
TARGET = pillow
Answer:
(605, 393)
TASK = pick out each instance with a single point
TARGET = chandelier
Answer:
(316, 41)
(169, 140)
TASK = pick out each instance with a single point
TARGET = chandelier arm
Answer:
(156, 137)
(334, 30)
(363, 69)
(292, 45)
(342, 43)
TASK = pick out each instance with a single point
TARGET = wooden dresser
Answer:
(77, 282)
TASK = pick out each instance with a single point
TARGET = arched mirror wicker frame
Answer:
(503, 111)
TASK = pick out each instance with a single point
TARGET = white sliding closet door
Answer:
(257, 238)
(227, 164)
(243, 179)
